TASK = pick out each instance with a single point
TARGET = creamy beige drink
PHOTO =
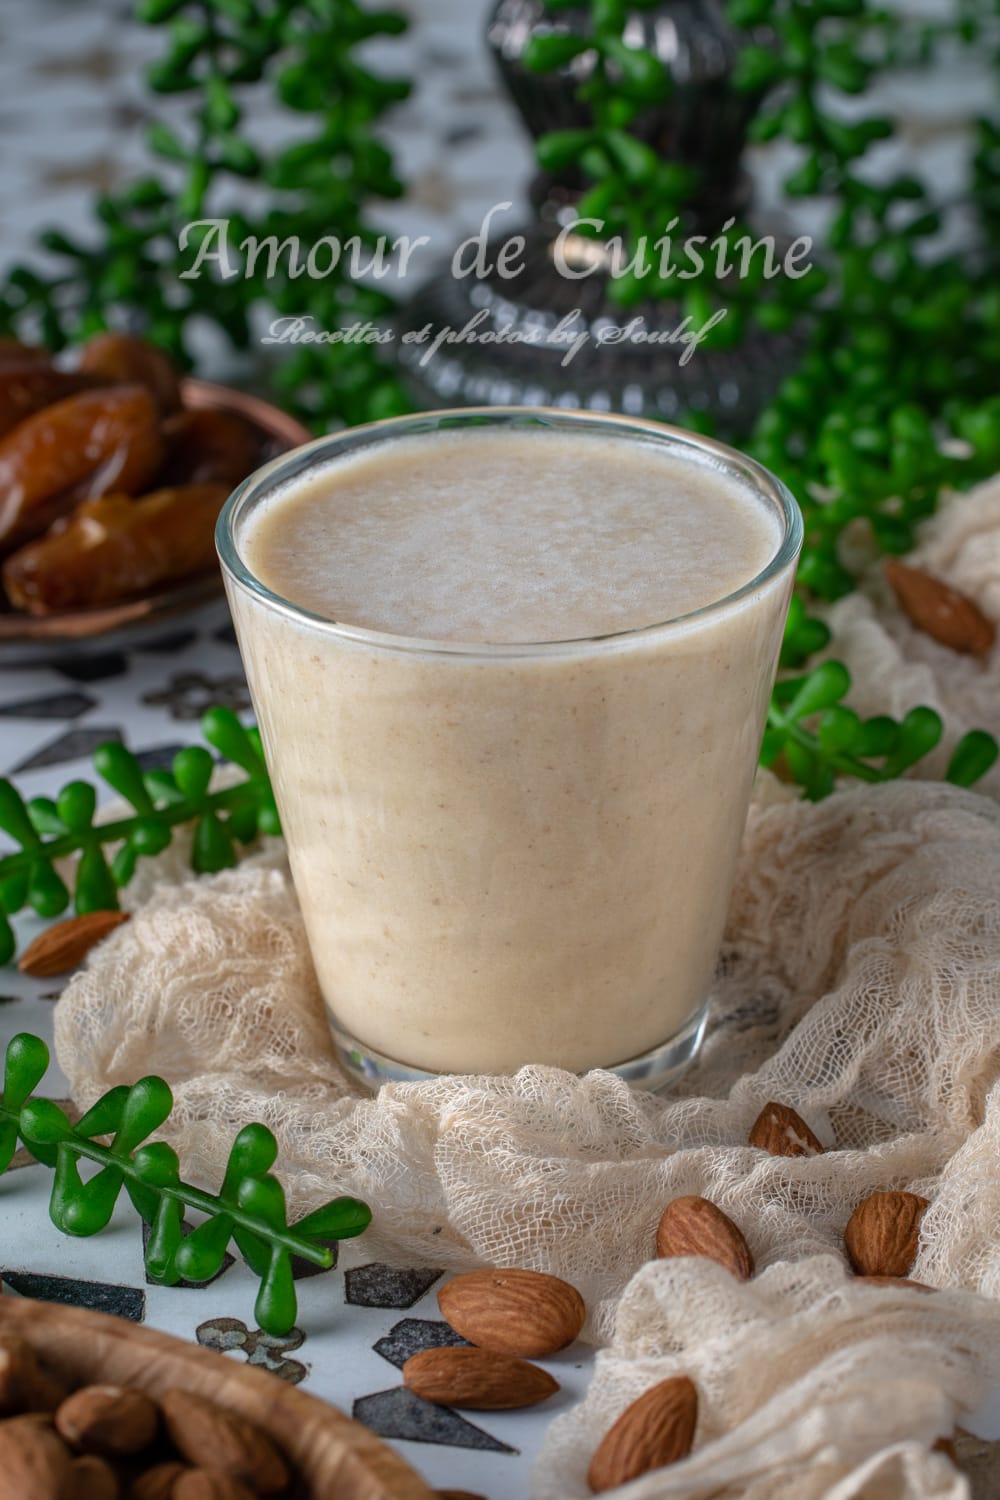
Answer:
(513, 797)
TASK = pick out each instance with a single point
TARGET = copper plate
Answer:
(26, 639)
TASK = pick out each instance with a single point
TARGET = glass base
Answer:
(652, 1070)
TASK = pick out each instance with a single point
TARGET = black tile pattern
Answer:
(413, 1336)
(376, 1285)
(94, 668)
(261, 1349)
(51, 706)
(75, 744)
(167, 644)
(100, 1296)
(399, 1414)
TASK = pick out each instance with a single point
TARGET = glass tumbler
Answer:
(521, 853)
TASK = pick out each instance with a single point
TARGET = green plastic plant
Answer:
(249, 1209)
(48, 831)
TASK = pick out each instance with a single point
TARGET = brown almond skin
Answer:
(93, 1479)
(157, 1483)
(882, 1233)
(526, 1313)
(110, 1420)
(23, 1386)
(946, 1445)
(66, 944)
(944, 613)
(210, 1437)
(779, 1130)
(35, 1463)
(210, 1484)
(477, 1379)
(694, 1226)
(655, 1430)
(458, 1495)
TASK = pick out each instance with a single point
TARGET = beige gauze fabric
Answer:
(859, 983)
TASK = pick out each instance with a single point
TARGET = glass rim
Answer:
(709, 452)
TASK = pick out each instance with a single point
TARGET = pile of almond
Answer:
(511, 1317)
(114, 1442)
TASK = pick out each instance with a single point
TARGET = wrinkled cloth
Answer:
(859, 983)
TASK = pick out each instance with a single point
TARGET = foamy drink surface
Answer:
(493, 538)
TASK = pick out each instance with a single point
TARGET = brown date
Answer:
(28, 388)
(82, 446)
(113, 547)
(208, 447)
(122, 359)
(14, 353)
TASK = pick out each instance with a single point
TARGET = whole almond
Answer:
(156, 1483)
(23, 1386)
(946, 1445)
(111, 1420)
(657, 1429)
(210, 1484)
(35, 1463)
(882, 1234)
(66, 944)
(477, 1379)
(944, 613)
(93, 1479)
(782, 1132)
(513, 1312)
(694, 1226)
(210, 1437)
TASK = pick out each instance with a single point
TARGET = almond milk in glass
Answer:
(511, 668)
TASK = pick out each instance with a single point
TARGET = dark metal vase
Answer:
(702, 123)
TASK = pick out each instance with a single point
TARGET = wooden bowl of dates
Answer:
(112, 474)
(95, 1405)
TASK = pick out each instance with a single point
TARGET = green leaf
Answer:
(213, 848)
(972, 757)
(96, 889)
(75, 806)
(192, 770)
(821, 689)
(919, 732)
(341, 1219)
(643, 75)
(222, 729)
(14, 818)
(543, 54)
(122, 771)
(48, 894)
(163, 141)
(560, 148)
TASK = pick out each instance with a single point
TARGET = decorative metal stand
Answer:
(537, 315)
